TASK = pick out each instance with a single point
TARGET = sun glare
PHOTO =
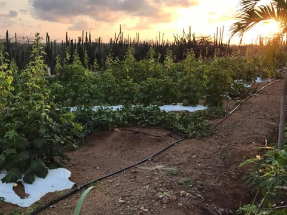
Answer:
(269, 28)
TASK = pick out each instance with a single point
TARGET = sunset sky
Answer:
(103, 17)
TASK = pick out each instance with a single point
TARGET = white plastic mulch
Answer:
(258, 80)
(56, 180)
(169, 108)
(166, 108)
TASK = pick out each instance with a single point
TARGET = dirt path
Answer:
(207, 179)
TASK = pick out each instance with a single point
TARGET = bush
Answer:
(217, 82)
(32, 132)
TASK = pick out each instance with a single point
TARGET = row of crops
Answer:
(37, 126)
(150, 82)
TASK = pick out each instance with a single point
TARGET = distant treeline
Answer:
(95, 49)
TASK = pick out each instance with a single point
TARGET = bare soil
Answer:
(194, 177)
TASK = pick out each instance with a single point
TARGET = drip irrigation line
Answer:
(231, 112)
(104, 177)
(140, 162)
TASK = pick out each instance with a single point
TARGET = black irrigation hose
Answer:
(104, 177)
(140, 162)
(231, 112)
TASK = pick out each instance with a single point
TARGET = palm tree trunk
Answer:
(282, 114)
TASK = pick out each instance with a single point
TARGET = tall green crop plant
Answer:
(216, 82)
(32, 132)
(6, 79)
(189, 83)
(169, 64)
(129, 63)
(75, 84)
(154, 67)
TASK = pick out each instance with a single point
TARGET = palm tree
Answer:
(253, 12)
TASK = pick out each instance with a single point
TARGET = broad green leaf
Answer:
(22, 143)
(81, 200)
(8, 165)
(252, 160)
(39, 168)
(11, 134)
(29, 177)
(23, 156)
(282, 161)
(9, 152)
(283, 212)
(3, 141)
(39, 143)
(12, 176)
(2, 159)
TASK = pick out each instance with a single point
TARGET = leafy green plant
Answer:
(189, 124)
(226, 156)
(239, 90)
(174, 171)
(82, 198)
(268, 177)
(33, 132)
(217, 81)
(187, 182)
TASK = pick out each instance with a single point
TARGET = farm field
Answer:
(200, 180)
(179, 123)
(52, 121)
(67, 120)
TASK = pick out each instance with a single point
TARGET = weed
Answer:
(82, 198)
(226, 156)
(187, 182)
(2, 199)
(59, 193)
(174, 171)
(268, 177)
(16, 212)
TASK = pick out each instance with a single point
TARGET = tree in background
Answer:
(253, 12)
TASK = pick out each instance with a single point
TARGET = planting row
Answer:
(150, 82)
(36, 129)
(35, 132)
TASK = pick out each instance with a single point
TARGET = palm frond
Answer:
(281, 6)
(247, 5)
(248, 19)
(251, 13)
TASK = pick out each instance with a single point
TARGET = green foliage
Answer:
(247, 209)
(82, 198)
(32, 131)
(239, 90)
(189, 124)
(187, 182)
(174, 171)
(269, 177)
(6, 79)
(217, 82)
(36, 128)
(74, 84)
(150, 82)
(281, 59)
